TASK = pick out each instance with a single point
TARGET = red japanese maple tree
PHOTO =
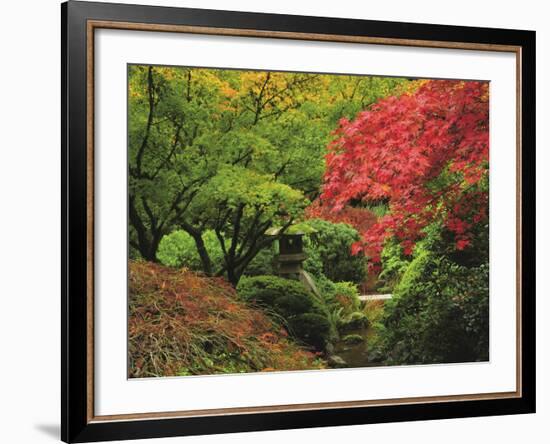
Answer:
(424, 154)
(359, 218)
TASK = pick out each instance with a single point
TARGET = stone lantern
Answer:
(291, 252)
(291, 255)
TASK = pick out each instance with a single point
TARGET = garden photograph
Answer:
(284, 221)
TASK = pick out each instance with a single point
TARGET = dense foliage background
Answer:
(235, 152)
(385, 178)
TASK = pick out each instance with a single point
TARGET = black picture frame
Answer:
(76, 423)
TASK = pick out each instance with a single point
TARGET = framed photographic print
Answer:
(276, 221)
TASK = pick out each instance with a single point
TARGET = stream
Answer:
(355, 355)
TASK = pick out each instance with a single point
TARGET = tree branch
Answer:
(150, 93)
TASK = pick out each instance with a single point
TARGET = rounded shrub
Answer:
(329, 251)
(311, 328)
(291, 301)
(289, 305)
(274, 292)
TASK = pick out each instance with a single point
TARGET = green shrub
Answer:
(354, 321)
(289, 300)
(347, 296)
(343, 295)
(329, 252)
(439, 313)
(313, 263)
(262, 264)
(311, 328)
(268, 290)
(326, 288)
(394, 264)
(288, 305)
(334, 317)
(178, 249)
(338, 300)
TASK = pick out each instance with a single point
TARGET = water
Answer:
(355, 355)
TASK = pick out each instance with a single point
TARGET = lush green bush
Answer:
(329, 252)
(292, 303)
(267, 290)
(439, 313)
(329, 261)
(325, 287)
(440, 242)
(347, 296)
(338, 295)
(354, 321)
(289, 300)
(178, 249)
(338, 301)
(262, 264)
(313, 263)
(394, 264)
(311, 328)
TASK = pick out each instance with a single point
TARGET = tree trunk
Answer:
(148, 247)
(203, 253)
(233, 275)
(201, 248)
(147, 242)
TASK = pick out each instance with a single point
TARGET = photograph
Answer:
(301, 221)
(276, 221)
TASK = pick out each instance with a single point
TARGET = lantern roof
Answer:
(298, 229)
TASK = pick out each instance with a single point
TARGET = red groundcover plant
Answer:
(424, 154)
